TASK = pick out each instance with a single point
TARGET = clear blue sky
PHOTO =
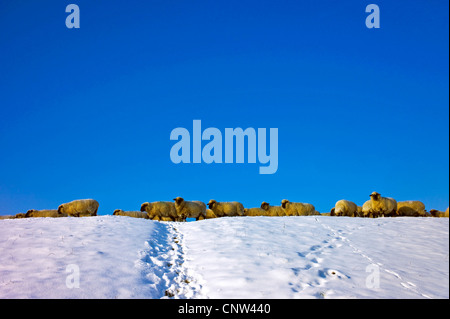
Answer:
(87, 113)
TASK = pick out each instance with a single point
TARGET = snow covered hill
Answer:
(233, 257)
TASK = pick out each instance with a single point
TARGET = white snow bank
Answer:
(237, 257)
(108, 250)
(320, 257)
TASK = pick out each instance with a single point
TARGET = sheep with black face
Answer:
(383, 206)
(222, 209)
(190, 209)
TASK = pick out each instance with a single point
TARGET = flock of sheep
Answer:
(180, 210)
(379, 206)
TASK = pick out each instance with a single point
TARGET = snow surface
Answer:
(232, 257)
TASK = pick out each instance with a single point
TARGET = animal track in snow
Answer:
(404, 284)
(162, 265)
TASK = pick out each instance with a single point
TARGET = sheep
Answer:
(20, 215)
(79, 208)
(257, 211)
(332, 212)
(135, 214)
(367, 209)
(190, 209)
(411, 208)
(273, 210)
(437, 213)
(297, 209)
(160, 211)
(7, 217)
(222, 209)
(383, 206)
(210, 214)
(44, 213)
(345, 208)
(202, 205)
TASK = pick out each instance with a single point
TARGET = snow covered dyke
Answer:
(232, 257)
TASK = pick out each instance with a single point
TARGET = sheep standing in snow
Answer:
(160, 211)
(190, 209)
(367, 209)
(272, 210)
(135, 214)
(79, 208)
(256, 211)
(44, 213)
(345, 208)
(222, 209)
(297, 209)
(411, 208)
(383, 206)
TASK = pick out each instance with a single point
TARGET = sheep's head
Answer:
(178, 200)
(30, 213)
(332, 212)
(375, 196)
(265, 205)
(116, 212)
(285, 203)
(212, 203)
(434, 212)
(61, 209)
(145, 206)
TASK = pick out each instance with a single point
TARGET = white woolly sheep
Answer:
(256, 211)
(367, 209)
(7, 217)
(44, 213)
(345, 207)
(297, 209)
(222, 209)
(438, 213)
(383, 206)
(79, 208)
(411, 208)
(160, 211)
(273, 210)
(135, 214)
(190, 209)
